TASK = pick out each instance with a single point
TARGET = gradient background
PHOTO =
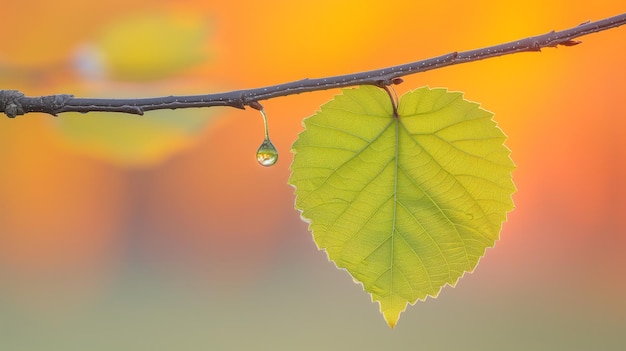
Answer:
(193, 246)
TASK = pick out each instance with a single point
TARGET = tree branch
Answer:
(14, 103)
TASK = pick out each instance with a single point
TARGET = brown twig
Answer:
(13, 103)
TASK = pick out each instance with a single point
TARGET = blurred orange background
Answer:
(173, 237)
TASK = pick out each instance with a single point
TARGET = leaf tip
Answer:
(391, 310)
(391, 317)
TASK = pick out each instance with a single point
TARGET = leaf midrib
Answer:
(395, 198)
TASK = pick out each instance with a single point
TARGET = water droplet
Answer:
(267, 155)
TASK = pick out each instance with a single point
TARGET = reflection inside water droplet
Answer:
(267, 155)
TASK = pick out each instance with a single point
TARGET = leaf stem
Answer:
(267, 132)
(14, 103)
(393, 96)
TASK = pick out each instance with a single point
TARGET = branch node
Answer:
(10, 103)
(535, 46)
(383, 83)
(255, 105)
(136, 110)
(241, 102)
(570, 42)
(55, 103)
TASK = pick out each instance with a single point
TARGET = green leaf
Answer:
(409, 204)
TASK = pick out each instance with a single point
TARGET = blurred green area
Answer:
(301, 302)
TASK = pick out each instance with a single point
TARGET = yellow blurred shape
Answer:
(141, 54)
(152, 46)
(133, 140)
